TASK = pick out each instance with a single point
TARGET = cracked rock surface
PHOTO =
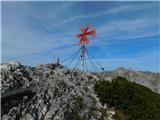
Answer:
(60, 95)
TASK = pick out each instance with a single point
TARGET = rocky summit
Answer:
(59, 93)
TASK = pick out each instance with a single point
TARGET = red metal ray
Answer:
(82, 30)
(87, 27)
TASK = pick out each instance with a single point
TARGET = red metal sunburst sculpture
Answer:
(85, 33)
(84, 40)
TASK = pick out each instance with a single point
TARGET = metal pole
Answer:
(82, 56)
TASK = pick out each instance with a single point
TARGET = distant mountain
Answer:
(146, 78)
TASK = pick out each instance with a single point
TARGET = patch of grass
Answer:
(78, 101)
(75, 116)
(72, 116)
(120, 115)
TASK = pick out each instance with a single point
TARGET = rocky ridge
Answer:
(60, 95)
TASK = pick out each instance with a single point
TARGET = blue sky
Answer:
(128, 33)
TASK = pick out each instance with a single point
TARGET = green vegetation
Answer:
(132, 101)
(72, 116)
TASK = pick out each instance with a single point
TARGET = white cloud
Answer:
(125, 8)
(19, 38)
(127, 29)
